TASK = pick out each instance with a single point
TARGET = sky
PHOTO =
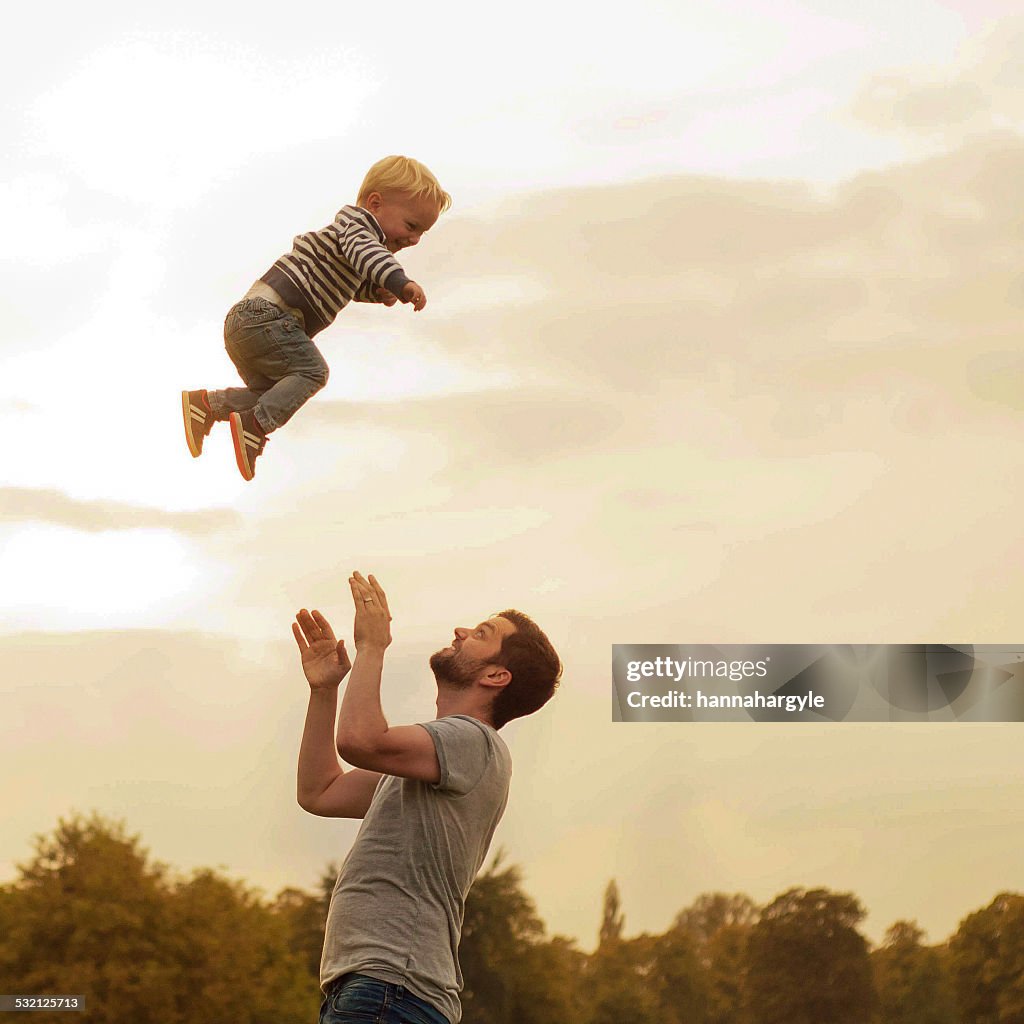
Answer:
(721, 345)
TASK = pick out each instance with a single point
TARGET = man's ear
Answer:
(497, 676)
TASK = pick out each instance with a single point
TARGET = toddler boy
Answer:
(268, 335)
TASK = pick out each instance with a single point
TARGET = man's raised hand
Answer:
(325, 661)
(372, 627)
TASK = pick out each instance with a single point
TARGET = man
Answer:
(430, 797)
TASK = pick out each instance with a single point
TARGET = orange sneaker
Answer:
(250, 440)
(199, 421)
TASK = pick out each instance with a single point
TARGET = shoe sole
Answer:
(236, 439)
(186, 412)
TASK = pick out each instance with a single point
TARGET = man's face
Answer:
(404, 219)
(471, 651)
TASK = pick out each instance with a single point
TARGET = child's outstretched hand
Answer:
(413, 293)
(386, 297)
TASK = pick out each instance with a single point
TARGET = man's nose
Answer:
(460, 633)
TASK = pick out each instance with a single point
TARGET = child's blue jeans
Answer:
(280, 365)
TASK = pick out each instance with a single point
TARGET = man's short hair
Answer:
(535, 666)
(403, 174)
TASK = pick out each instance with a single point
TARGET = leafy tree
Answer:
(911, 980)
(612, 918)
(234, 957)
(511, 973)
(807, 963)
(650, 979)
(613, 973)
(618, 983)
(987, 963)
(720, 925)
(90, 914)
(304, 918)
(676, 979)
(711, 912)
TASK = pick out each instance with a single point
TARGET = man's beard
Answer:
(450, 668)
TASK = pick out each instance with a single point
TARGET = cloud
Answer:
(22, 505)
(185, 92)
(979, 92)
(706, 381)
(32, 319)
(714, 381)
(678, 284)
(699, 372)
(37, 209)
(502, 427)
(997, 376)
(897, 103)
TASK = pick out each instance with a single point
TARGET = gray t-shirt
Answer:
(397, 909)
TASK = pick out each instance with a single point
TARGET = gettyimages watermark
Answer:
(817, 683)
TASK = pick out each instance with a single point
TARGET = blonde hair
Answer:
(403, 174)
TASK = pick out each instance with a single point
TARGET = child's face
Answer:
(404, 219)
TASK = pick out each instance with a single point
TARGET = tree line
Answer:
(92, 914)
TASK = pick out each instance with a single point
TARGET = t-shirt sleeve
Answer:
(463, 752)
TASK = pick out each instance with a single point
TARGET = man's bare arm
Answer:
(323, 787)
(364, 737)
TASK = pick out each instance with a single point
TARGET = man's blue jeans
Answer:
(280, 365)
(357, 999)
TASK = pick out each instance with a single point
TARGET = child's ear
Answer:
(373, 202)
